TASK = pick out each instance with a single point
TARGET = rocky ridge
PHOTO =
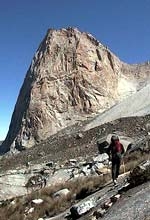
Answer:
(72, 77)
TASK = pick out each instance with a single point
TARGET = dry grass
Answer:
(133, 159)
(51, 206)
(147, 218)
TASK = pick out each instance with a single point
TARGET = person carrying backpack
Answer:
(115, 152)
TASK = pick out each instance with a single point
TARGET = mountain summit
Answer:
(72, 76)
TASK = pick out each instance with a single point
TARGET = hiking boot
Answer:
(115, 182)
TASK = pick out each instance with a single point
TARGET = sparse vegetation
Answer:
(51, 206)
(133, 159)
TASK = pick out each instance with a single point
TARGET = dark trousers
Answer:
(116, 162)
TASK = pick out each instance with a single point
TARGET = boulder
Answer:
(102, 145)
(62, 192)
(99, 165)
(31, 210)
(141, 144)
(140, 173)
(101, 158)
(73, 161)
(60, 176)
(37, 201)
(50, 164)
(80, 209)
(104, 142)
(12, 184)
(85, 170)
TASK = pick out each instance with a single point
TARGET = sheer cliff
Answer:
(72, 77)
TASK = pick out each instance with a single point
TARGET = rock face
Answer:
(72, 76)
(135, 205)
(136, 105)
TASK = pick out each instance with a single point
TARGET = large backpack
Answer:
(117, 147)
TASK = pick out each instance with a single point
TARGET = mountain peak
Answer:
(72, 76)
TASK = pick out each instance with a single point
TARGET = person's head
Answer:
(114, 138)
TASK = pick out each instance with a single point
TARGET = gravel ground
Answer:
(65, 144)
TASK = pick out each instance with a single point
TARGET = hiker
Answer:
(115, 152)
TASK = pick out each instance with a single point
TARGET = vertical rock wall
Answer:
(72, 76)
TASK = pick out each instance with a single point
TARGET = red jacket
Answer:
(115, 149)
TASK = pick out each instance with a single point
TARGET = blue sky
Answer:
(123, 25)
